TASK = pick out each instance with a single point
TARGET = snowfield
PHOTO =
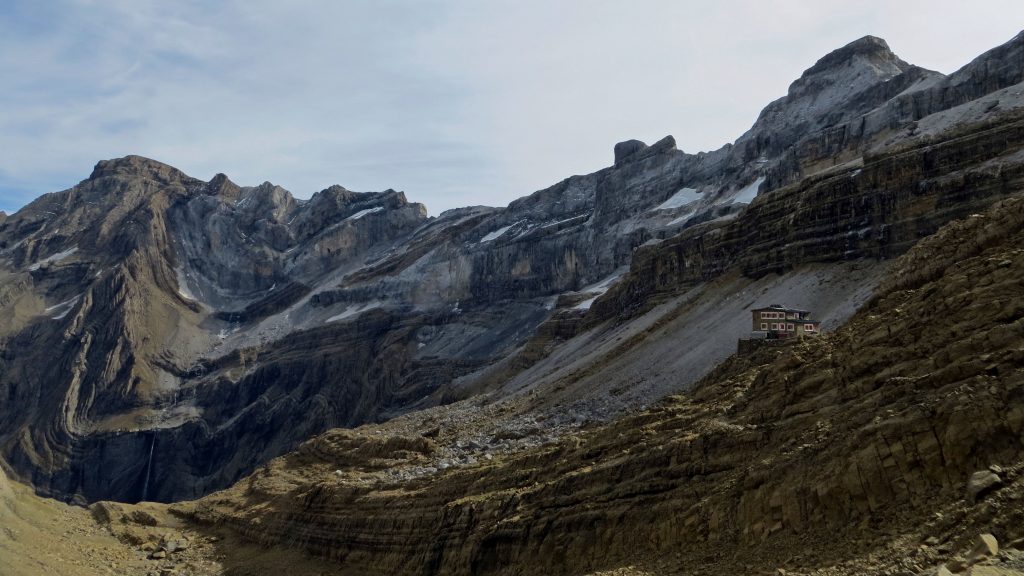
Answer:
(681, 198)
(600, 288)
(496, 234)
(747, 194)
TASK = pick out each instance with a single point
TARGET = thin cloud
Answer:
(456, 102)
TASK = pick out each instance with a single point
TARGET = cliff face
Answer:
(871, 430)
(162, 335)
(874, 208)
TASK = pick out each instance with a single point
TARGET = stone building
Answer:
(777, 321)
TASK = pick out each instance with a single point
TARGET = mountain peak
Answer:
(870, 49)
(626, 149)
(221, 185)
(632, 149)
(136, 166)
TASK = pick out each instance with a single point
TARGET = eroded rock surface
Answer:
(843, 454)
(162, 335)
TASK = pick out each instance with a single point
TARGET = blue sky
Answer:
(457, 102)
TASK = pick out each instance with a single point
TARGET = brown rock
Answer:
(981, 483)
(141, 517)
(994, 571)
(105, 512)
(985, 546)
(956, 565)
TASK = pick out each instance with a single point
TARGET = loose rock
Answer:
(981, 483)
(985, 546)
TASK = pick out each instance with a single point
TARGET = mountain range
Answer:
(164, 337)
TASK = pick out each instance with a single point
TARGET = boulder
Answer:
(141, 517)
(105, 512)
(176, 545)
(985, 545)
(981, 483)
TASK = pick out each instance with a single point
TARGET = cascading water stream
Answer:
(149, 466)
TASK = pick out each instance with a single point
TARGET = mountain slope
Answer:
(161, 336)
(836, 451)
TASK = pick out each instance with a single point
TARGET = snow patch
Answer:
(747, 194)
(355, 310)
(681, 198)
(496, 234)
(55, 258)
(246, 200)
(183, 290)
(362, 213)
(564, 221)
(600, 288)
(680, 219)
(63, 308)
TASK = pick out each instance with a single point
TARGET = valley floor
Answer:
(42, 536)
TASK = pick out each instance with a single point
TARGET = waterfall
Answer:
(149, 466)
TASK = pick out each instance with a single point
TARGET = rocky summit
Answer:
(239, 381)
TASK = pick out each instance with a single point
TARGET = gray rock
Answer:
(623, 150)
(266, 271)
(981, 483)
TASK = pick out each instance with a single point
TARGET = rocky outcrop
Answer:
(152, 321)
(865, 431)
(841, 86)
(876, 209)
(623, 150)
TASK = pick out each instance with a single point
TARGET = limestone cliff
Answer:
(161, 335)
(798, 456)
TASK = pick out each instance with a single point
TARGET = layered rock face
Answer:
(875, 208)
(867, 430)
(162, 335)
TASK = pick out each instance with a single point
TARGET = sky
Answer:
(456, 102)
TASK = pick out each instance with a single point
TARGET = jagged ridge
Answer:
(165, 334)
